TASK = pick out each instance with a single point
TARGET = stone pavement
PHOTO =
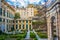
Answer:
(28, 35)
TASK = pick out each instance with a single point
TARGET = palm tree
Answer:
(17, 16)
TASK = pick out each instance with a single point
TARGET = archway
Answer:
(53, 26)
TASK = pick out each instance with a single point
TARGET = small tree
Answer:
(38, 14)
(17, 16)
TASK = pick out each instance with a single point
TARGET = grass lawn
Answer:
(33, 36)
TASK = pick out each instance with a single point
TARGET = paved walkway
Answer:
(38, 36)
(28, 35)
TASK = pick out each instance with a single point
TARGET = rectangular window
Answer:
(16, 26)
(0, 11)
(3, 20)
(26, 26)
(29, 21)
(26, 21)
(7, 14)
(23, 26)
(13, 21)
(0, 19)
(7, 21)
(19, 20)
(19, 26)
(7, 27)
(3, 12)
(16, 21)
(23, 21)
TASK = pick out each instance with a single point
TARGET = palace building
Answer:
(26, 15)
(6, 15)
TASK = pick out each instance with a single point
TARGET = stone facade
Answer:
(6, 15)
(53, 20)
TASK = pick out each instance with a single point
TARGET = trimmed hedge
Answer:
(17, 36)
(32, 35)
(42, 35)
(21, 35)
(35, 38)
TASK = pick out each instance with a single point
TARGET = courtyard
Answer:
(25, 35)
(29, 19)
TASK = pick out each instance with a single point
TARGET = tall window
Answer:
(26, 21)
(7, 20)
(23, 26)
(16, 26)
(29, 26)
(26, 26)
(29, 21)
(0, 19)
(20, 21)
(3, 20)
(16, 21)
(3, 12)
(23, 21)
(19, 26)
(0, 11)
(13, 21)
(7, 13)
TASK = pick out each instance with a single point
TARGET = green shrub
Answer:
(22, 35)
(35, 38)
(2, 39)
(13, 36)
(32, 35)
(42, 35)
(18, 38)
(0, 32)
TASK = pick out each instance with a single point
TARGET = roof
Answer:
(11, 7)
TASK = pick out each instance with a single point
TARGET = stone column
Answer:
(49, 29)
(21, 25)
(28, 27)
(6, 19)
(58, 20)
(18, 24)
(31, 25)
(58, 25)
(5, 25)
(24, 26)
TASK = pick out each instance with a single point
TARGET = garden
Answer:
(19, 36)
(42, 35)
(33, 36)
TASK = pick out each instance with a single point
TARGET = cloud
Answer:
(24, 2)
(34, 1)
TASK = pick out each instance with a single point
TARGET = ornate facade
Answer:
(53, 20)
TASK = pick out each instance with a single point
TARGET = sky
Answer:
(24, 3)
